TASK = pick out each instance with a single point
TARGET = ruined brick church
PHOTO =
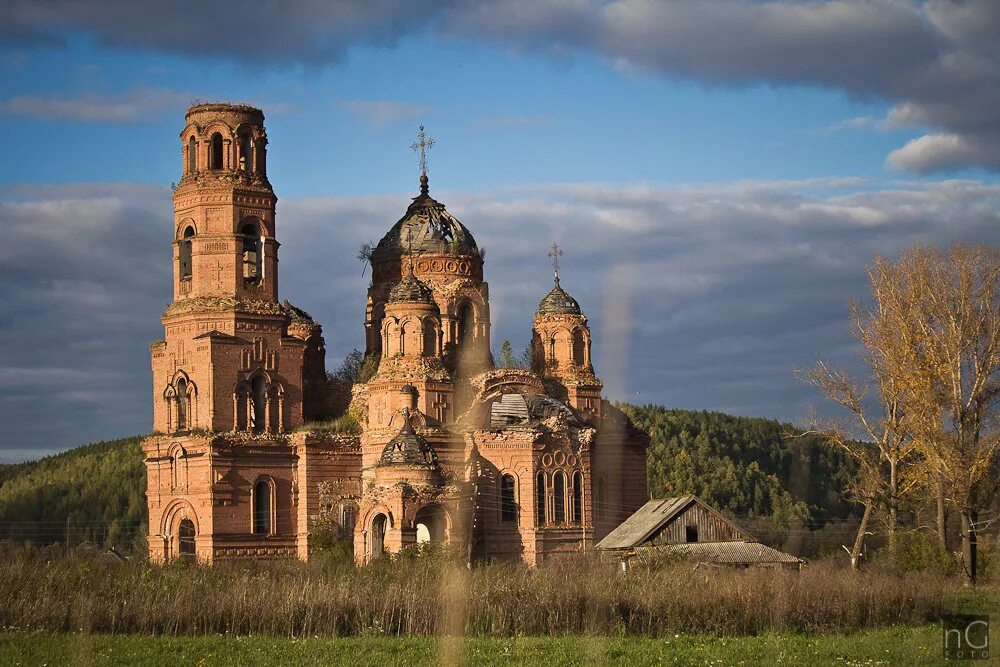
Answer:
(502, 463)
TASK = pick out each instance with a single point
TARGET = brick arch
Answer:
(182, 227)
(176, 511)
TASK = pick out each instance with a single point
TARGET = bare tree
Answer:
(876, 436)
(938, 315)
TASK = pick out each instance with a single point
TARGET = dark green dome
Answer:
(408, 448)
(558, 301)
(411, 290)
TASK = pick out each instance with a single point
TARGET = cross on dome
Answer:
(422, 143)
(555, 253)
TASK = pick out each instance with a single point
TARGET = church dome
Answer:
(411, 290)
(558, 301)
(408, 448)
(429, 228)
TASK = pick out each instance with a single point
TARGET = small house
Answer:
(691, 527)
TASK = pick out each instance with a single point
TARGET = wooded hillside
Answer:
(747, 467)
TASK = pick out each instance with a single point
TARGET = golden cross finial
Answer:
(555, 253)
(422, 143)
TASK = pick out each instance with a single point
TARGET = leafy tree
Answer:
(507, 355)
(936, 322)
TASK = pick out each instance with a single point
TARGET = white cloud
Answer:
(700, 296)
(385, 112)
(134, 106)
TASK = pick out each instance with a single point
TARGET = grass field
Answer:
(887, 646)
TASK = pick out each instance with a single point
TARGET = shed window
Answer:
(508, 499)
(215, 155)
(691, 533)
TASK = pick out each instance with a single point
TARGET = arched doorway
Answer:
(432, 524)
(379, 524)
(185, 540)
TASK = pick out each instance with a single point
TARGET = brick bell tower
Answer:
(236, 369)
(227, 362)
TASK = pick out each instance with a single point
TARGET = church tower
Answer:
(229, 361)
(560, 348)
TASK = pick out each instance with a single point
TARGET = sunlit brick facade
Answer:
(503, 463)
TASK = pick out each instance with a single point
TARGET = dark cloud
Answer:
(938, 61)
(700, 296)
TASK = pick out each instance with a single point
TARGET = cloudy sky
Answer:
(719, 173)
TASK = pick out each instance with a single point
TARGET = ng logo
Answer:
(966, 637)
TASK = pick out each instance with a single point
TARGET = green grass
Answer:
(888, 646)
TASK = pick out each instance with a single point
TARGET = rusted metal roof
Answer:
(733, 553)
(647, 520)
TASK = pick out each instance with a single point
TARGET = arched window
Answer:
(579, 357)
(430, 337)
(508, 499)
(192, 165)
(261, 162)
(252, 259)
(258, 403)
(559, 497)
(577, 497)
(246, 153)
(540, 499)
(552, 349)
(263, 491)
(182, 405)
(185, 540)
(378, 535)
(215, 154)
(185, 253)
(466, 324)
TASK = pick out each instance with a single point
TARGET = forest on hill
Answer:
(750, 468)
(95, 493)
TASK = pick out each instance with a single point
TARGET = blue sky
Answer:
(719, 175)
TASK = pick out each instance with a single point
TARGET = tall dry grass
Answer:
(432, 596)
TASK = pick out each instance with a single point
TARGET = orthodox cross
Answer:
(555, 253)
(422, 143)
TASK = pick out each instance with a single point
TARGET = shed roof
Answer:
(652, 516)
(733, 553)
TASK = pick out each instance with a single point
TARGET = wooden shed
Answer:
(692, 527)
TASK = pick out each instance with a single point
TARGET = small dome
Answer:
(558, 301)
(411, 290)
(430, 228)
(408, 448)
